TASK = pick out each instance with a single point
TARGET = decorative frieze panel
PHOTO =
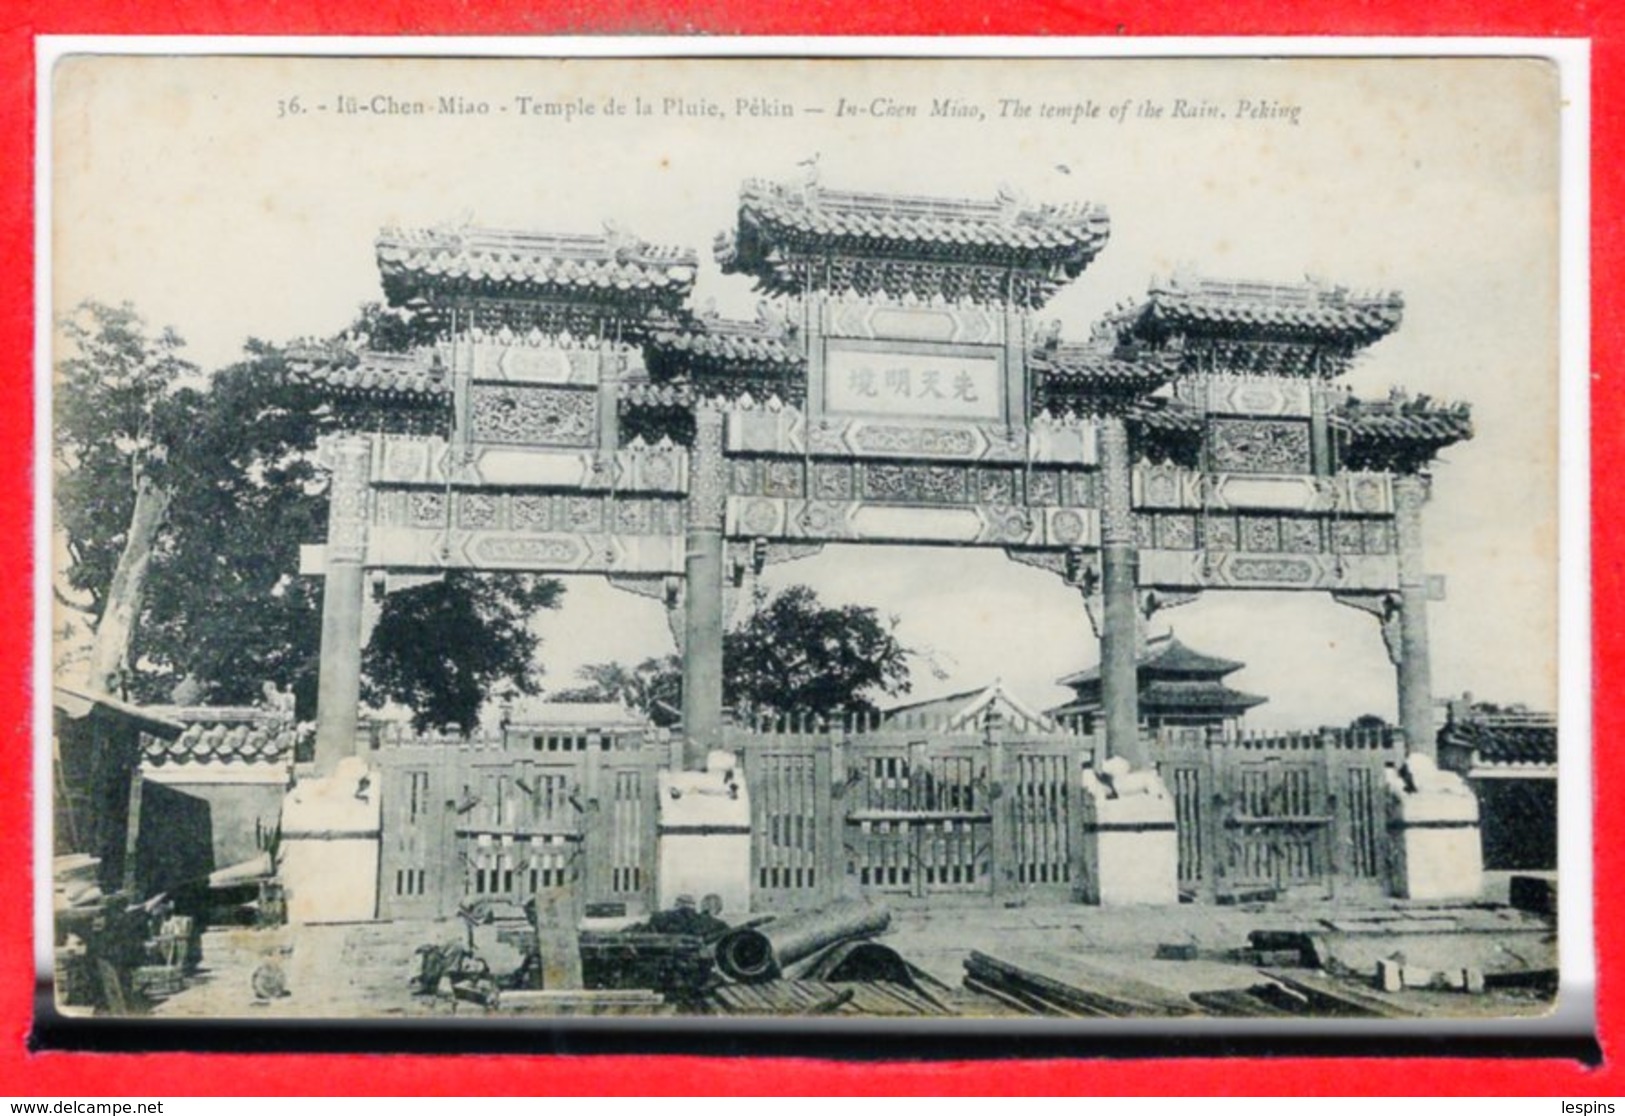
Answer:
(1171, 487)
(1257, 396)
(428, 461)
(1260, 532)
(1175, 532)
(408, 548)
(873, 521)
(965, 324)
(348, 508)
(1301, 535)
(787, 432)
(1191, 569)
(535, 416)
(912, 483)
(528, 513)
(916, 484)
(1221, 532)
(1259, 446)
(532, 359)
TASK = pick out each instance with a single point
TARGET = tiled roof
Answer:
(908, 223)
(1160, 416)
(1306, 311)
(1089, 365)
(781, 222)
(1166, 656)
(1404, 420)
(418, 374)
(265, 742)
(1511, 739)
(1204, 694)
(608, 266)
(693, 342)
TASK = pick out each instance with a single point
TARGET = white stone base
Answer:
(328, 859)
(1130, 845)
(705, 837)
(1435, 851)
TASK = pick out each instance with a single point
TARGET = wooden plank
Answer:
(1336, 997)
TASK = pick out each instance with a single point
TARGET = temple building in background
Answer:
(1178, 687)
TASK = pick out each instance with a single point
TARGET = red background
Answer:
(76, 1074)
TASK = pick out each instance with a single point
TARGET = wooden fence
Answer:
(465, 820)
(1270, 813)
(910, 807)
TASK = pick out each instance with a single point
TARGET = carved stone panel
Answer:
(583, 513)
(348, 509)
(1302, 535)
(996, 486)
(1222, 533)
(1259, 532)
(832, 480)
(525, 415)
(744, 477)
(1379, 536)
(478, 510)
(915, 484)
(781, 478)
(1043, 488)
(426, 509)
(1348, 537)
(1176, 532)
(1259, 446)
(532, 513)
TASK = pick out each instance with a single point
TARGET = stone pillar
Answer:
(702, 605)
(1414, 670)
(1119, 681)
(338, 697)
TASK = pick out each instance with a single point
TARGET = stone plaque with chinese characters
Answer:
(920, 381)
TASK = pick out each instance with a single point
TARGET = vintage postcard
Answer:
(905, 539)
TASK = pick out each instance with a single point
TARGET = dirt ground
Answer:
(362, 970)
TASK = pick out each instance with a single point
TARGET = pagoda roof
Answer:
(1309, 311)
(419, 374)
(606, 267)
(1196, 694)
(1165, 656)
(781, 225)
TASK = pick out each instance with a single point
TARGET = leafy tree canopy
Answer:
(794, 654)
(224, 607)
(441, 649)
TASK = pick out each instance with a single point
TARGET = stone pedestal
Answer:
(1130, 845)
(705, 836)
(328, 861)
(1434, 847)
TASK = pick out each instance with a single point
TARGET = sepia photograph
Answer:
(827, 539)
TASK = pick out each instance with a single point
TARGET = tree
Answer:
(222, 605)
(654, 687)
(114, 420)
(797, 655)
(793, 655)
(440, 649)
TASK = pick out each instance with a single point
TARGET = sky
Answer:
(235, 198)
